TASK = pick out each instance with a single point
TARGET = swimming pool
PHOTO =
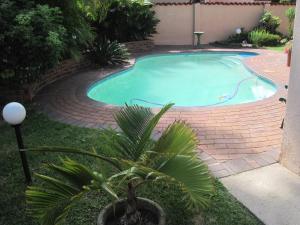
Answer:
(186, 79)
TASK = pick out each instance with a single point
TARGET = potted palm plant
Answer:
(137, 158)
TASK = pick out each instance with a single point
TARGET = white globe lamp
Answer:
(14, 113)
(238, 31)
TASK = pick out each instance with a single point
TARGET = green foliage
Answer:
(269, 22)
(79, 33)
(36, 34)
(105, 52)
(223, 205)
(127, 20)
(263, 38)
(279, 48)
(57, 196)
(39, 130)
(94, 10)
(290, 14)
(136, 157)
(287, 1)
(238, 38)
(32, 40)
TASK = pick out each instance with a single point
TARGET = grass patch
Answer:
(277, 48)
(39, 130)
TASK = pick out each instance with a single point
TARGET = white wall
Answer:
(216, 20)
(291, 139)
(175, 26)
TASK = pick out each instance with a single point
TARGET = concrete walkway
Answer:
(272, 193)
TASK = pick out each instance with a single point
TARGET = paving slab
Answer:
(272, 193)
(233, 138)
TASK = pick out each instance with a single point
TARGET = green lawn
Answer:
(277, 48)
(39, 130)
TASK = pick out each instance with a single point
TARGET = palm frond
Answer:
(138, 123)
(116, 144)
(189, 172)
(51, 201)
(133, 120)
(193, 177)
(152, 124)
(178, 138)
(111, 160)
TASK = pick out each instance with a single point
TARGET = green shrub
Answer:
(269, 22)
(290, 14)
(79, 34)
(127, 20)
(238, 38)
(263, 38)
(32, 40)
(105, 52)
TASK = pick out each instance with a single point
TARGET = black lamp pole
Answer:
(22, 153)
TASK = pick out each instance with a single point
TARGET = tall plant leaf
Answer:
(178, 138)
(51, 202)
(138, 123)
(193, 177)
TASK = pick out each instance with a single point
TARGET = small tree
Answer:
(136, 159)
(127, 20)
(269, 22)
(32, 41)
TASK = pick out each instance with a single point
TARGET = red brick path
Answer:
(233, 138)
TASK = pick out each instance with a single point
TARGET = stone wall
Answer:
(65, 68)
(139, 46)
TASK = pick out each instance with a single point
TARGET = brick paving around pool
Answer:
(233, 139)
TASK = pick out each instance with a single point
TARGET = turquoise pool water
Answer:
(186, 79)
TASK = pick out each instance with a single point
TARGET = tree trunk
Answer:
(132, 215)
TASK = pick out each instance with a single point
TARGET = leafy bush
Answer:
(32, 40)
(269, 22)
(79, 34)
(290, 14)
(238, 38)
(105, 52)
(263, 38)
(127, 20)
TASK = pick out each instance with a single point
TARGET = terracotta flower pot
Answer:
(117, 209)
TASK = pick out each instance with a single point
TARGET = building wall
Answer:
(230, 0)
(279, 10)
(218, 21)
(175, 26)
(290, 156)
(206, 1)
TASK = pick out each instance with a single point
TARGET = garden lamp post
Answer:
(14, 113)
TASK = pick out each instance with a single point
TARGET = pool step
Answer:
(229, 62)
